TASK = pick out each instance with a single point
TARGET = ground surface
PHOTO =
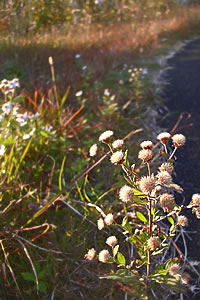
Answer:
(182, 94)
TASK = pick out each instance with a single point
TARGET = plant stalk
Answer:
(150, 232)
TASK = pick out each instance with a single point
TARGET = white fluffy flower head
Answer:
(105, 136)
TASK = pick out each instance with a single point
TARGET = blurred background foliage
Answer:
(37, 14)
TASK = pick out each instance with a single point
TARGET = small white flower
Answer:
(84, 68)
(100, 224)
(93, 150)
(106, 92)
(79, 93)
(111, 241)
(26, 136)
(37, 115)
(32, 132)
(20, 119)
(7, 107)
(2, 150)
(105, 136)
(77, 56)
(14, 83)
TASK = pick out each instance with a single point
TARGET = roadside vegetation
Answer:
(71, 70)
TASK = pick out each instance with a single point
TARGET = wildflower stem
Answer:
(165, 147)
(111, 150)
(54, 86)
(175, 245)
(150, 232)
(150, 219)
(148, 266)
(172, 154)
(130, 171)
(149, 168)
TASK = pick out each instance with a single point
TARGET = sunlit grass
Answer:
(103, 47)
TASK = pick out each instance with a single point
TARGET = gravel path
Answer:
(182, 94)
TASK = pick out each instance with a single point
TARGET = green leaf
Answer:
(44, 134)
(28, 276)
(121, 259)
(23, 155)
(126, 160)
(141, 217)
(138, 200)
(124, 221)
(171, 220)
(122, 272)
(152, 211)
(61, 171)
(127, 279)
(42, 287)
(115, 250)
(126, 225)
(138, 193)
(18, 99)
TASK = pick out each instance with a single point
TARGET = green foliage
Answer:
(33, 155)
(39, 14)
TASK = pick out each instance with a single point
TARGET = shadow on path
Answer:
(182, 94)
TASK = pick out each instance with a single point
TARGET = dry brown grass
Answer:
(102, 47)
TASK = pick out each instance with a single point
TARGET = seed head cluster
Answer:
(164, 137)
(147, 184)
(174, 270)
(93, 150)
(197, 211)
(105, 136)
(182, 220)
(111, 241)
(178, 140)
(167, 202)
(91, 254)
(104, 256)
(164, 178)
(166, 167)
(146, 145)
(100, 224)
(186, 278)
(117, 144)
(126, 193)
(153, 243)
(145, 155)
(196, 199)
(117, 158)
(109, 219)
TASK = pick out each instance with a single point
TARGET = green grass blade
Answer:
(61, 171)
(23, 155)
(43, 209)
(10, 163)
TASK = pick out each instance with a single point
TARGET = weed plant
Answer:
(146, 223)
